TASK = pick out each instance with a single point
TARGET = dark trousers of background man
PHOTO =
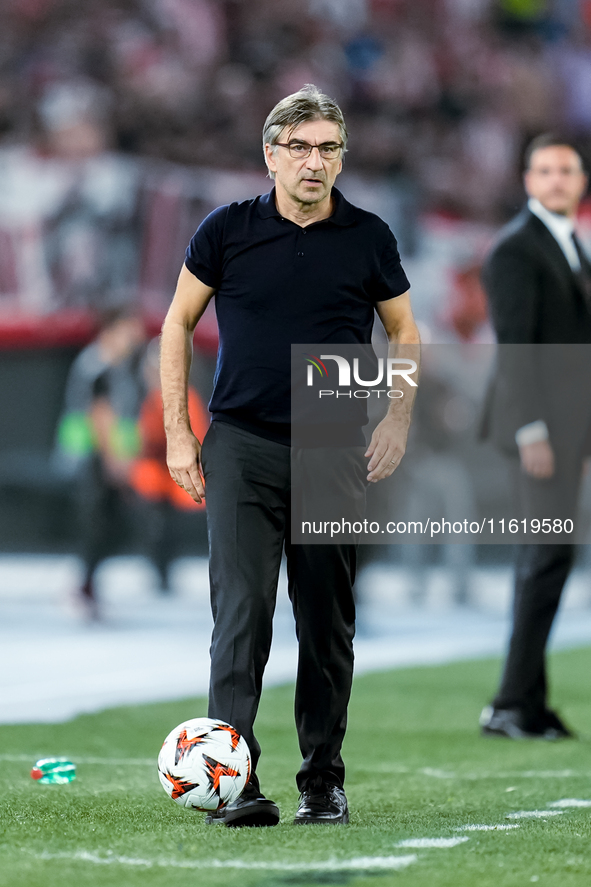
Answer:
(102, 516)
(541, 571)
(248, 489)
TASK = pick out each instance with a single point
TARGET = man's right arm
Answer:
(183, 449)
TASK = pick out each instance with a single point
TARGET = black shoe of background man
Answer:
(251, 809)
(322, 803)
(86, 603)
(512, 723)
(554, 724)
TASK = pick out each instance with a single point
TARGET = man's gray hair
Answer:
(306, 104)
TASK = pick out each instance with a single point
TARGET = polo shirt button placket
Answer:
(300, 254)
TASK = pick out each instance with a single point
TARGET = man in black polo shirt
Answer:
(297, 265)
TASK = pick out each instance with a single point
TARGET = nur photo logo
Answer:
(386, 370)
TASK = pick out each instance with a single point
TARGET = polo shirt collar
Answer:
(343, 215)
(344, 212)
(267, 206)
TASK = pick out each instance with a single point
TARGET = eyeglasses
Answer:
(302, 150)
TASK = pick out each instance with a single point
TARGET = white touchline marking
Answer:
(421, 843)
(380, 768)
(547, 774)
(485, 828)
(533, 814)
(503, 774)
(432, 772)
(134, 762)
(570, 802)
(358, 863)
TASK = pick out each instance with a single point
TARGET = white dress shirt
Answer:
(561, 228)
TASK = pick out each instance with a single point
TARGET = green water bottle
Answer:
(54, 771)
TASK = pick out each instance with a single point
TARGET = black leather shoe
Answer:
(252, 809)
(554, 725)
(325, 804)
(511, 723)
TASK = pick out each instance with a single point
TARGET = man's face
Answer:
(555, 177)
(306, 180)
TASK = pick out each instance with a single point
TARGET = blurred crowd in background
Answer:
(115, 114)
(442, 91)
(124, 122)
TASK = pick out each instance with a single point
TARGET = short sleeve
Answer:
(204, 255)
(391, 279)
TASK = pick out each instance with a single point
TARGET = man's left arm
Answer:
(388, 442)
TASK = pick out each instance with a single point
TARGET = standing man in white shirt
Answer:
(538, 282)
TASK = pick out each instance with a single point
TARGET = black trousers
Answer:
(541, 571)
(540, 574)
(102, 516)
(248, 481)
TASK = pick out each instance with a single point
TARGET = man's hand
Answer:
(183, 456)
(183, 450)
(386, 448)
(388, 442)
(537, 459)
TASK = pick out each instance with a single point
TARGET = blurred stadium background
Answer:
(124, 122)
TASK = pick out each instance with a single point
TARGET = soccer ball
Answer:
(204, 764)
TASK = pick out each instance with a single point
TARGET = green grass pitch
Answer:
(416, 770)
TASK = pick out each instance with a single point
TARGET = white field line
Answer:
(534, 814)
(133, 762)
(485, 828)
(439, 773)
(423, 843)
(424, 771)
(359, 863)
(363, 863)
(570, 802)
(507, 774)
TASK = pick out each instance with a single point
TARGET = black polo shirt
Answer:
(279, 284)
